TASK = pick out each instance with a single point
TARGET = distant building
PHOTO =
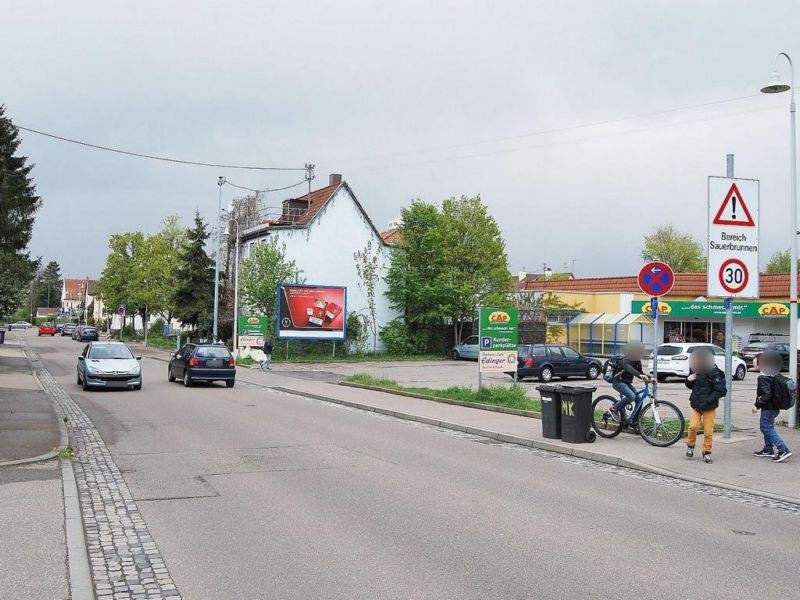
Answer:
(77, 291)
(322, 230)
(44, 312)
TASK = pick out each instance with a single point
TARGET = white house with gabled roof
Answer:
(321, 231)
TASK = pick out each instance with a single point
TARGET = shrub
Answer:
(399, 339)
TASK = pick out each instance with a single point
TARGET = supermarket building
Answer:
(612, 311)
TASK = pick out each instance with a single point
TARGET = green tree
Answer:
(475, 261)
(18, 206)
(194, 287)
(48, 284)
(679, 250)
(780, 262)
(368, 270)
(261, 273)
(119, 280)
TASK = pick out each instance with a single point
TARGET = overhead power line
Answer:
(153, 157)
(265, 190)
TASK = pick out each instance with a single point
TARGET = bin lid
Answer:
(549, 387)
(577, 389)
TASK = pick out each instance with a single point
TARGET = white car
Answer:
(673, 360)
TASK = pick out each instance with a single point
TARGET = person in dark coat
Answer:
(267, 348)
(770, 363)
(707, 383)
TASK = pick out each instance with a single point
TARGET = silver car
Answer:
(468, 349)
(109, 365)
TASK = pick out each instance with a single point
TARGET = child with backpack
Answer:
(707, 383)
(773, 394)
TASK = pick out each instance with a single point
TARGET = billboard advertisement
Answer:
(252, 331)
(311, 312)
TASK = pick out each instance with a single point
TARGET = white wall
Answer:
(324, 250)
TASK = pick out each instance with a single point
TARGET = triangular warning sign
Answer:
(734, 210)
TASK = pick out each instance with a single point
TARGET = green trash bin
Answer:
(551, 410)
(576, 414)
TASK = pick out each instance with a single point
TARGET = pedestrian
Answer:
(770, 392)
(628, 368)
(707, 383)
(267, 354)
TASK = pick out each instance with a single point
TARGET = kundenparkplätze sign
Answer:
(498, 335)
(252, 331)
(699, 308)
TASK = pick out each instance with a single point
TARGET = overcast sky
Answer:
(412, 99)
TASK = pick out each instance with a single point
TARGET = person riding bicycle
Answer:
(629, 367)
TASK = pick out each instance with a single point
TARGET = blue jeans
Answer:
(772, 438)
(627, 392)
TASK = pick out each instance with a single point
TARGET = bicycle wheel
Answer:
(602, 421)
(666, 432)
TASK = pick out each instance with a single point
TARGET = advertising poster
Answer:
(311, 312)
(498, 336)
(252, 331)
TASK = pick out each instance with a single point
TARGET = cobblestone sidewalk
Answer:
(125, 561)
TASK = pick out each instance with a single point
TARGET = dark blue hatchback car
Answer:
(195, 363)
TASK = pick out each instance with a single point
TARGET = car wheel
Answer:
(661, 378)
(593, 372)
(545, 374)
(456, 355)
(230, 384)
(85, 385)
(170, 377)
(137, 387)
(187, 381)
(79, 379)
(740, 373)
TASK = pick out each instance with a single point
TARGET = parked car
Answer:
(202, 362)
(752, 350)
(467, 349)
(545, 361)
(67, 329)
(77, 332)
(59, 327)
(673, 360)
(19, 325)
(109, 365)
(47, 329)
(88, 334)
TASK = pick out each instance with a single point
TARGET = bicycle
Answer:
(660, 423)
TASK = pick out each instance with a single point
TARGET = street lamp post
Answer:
(776, 86)
(220, 183)
(236, 292)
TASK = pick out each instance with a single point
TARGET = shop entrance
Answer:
(698, 332)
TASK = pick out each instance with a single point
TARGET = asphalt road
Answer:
(251, 493)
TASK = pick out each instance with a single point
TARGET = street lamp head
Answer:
(775, 85)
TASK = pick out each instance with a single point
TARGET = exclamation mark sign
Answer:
(733, 205)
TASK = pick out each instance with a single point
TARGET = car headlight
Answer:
(89, 369)
(136, 370)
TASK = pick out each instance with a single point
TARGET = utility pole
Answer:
(220, 183)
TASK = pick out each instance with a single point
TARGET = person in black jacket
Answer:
(630, 367)
(707, 383)
(267, 349)
(770, 363)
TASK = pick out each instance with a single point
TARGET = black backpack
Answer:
(612, 368)
(784, 392)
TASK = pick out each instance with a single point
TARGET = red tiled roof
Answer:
(392, 237)
(308, 210)
(73, 287)
(686, 284)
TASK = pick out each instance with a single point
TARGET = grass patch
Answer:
(66, 452)
(245, 361)
(496, 396)
(279, 356)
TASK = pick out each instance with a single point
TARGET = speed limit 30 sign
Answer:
(733, 221)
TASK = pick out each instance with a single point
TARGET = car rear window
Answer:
(213, 352)
(669, 350)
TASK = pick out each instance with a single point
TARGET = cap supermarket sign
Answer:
(311, 312)
(697, 308)
(498, 334)
(252, 331)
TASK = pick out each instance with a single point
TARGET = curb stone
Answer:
(557, 448)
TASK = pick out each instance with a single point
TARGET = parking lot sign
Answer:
(499, 337)
(733, 230)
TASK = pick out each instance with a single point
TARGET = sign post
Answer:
(121, 313)
(656, 279)
(498, 336)
(733, 232)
